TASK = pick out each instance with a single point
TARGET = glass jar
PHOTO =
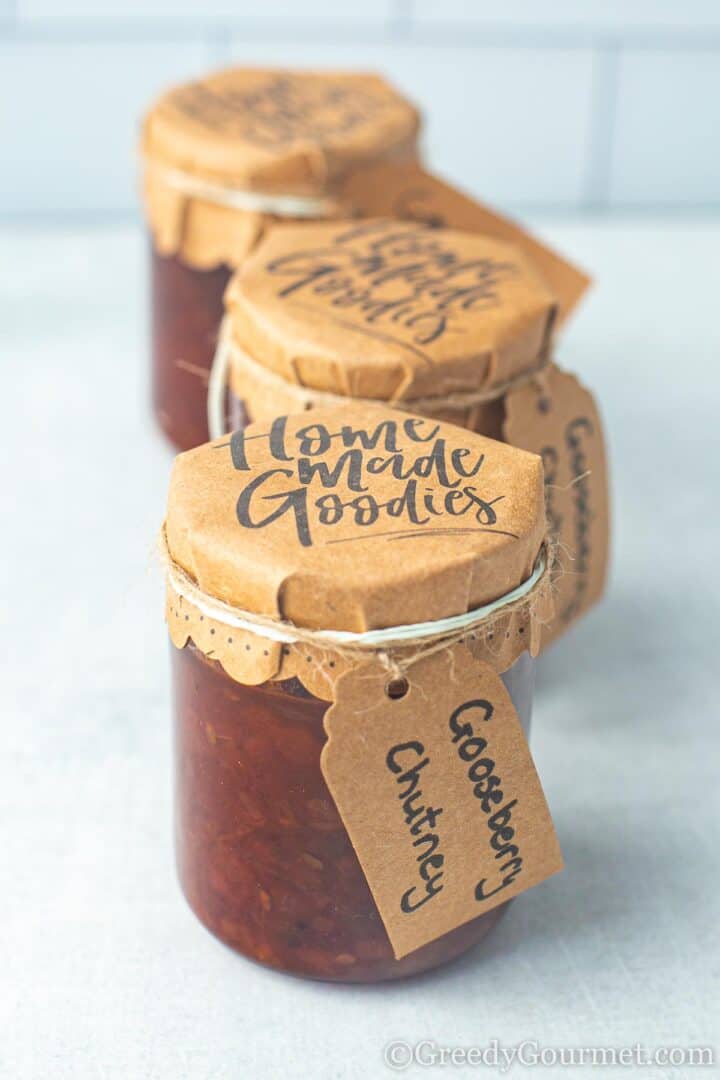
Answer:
(186, 306)
(301, 572)
(226, 156)
(264, 859)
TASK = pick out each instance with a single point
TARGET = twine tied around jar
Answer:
(228, 351)
(398, 648)
(254, 202)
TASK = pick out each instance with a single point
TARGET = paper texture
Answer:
(266, 395)
(202, 234)
(390, 310)
(407, 191)
(278, 132)
(559, 420)
(356, 518)
(438, 793)
(251, 659)
(273, 130)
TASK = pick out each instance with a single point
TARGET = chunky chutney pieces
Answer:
(353, 600)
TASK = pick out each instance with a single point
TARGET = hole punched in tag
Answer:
(397, 688)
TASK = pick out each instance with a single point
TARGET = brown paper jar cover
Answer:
(441, 322)
(235, 134)
(321, 493)
(402, 519)
(389, 310)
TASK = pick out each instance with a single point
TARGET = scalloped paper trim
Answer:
(251, 660)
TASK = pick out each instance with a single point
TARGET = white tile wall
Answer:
(620, 16)
(667, 142)
(68, 139)
(378, 11)
(561, 103)
(509, 123)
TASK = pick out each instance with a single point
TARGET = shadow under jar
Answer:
(263, 857)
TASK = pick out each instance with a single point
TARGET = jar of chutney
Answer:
(223, 158)
(354, 599)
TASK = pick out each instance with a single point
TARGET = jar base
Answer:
(436, 954)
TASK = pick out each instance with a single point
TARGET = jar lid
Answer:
(356, 519)
(390, 311)
(278, 131)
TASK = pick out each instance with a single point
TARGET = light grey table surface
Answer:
(104, 972)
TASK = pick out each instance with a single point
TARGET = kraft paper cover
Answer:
(202, 234)
(409, 192)
(390, 310)
(268, 131)
(356, 519)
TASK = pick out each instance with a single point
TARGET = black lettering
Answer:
(430, 838)
(417, 817)
(392, 754)
(411, 426)
(431, 862)
(412, 778)
(290, 501)
(457, 458)
(471, 747)
(431, 889)
(461, 731)
(429, 818)
(408, 810)
(385, 431)
(480, 769)
(487, 791)
(495, 821)
(350, 461)
(314, 439)
(480, 893)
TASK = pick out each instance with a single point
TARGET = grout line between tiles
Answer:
(601, 128)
